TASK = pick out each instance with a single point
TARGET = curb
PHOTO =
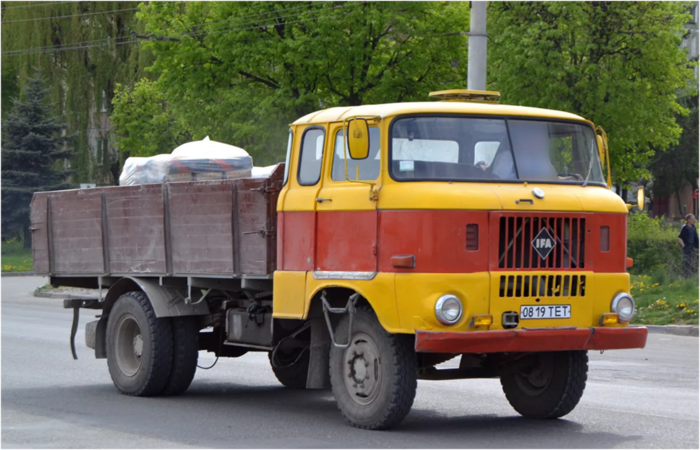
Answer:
(20, 274)
(677, 330)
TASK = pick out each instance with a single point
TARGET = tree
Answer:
(678, 166)
(31, 148)
(10, 89)
(83, 50)
(616, 63)
(240, 72)
(144, 122)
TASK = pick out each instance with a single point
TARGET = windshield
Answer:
(466, 149)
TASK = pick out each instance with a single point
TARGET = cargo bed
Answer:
(204, 228)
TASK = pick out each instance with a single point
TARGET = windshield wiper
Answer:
(590, 165)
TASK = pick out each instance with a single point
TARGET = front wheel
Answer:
(374, 378)
(547, 385)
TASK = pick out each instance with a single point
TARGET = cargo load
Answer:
(193, 161)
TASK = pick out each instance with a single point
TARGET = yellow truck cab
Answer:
(453, 227)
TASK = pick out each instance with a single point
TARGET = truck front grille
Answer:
(516, 234)
(542, 286)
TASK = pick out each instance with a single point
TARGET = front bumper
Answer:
(531, 340)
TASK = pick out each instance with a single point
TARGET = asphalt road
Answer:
(634, 399)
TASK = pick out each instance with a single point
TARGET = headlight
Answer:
(623, 306)
(448, 309)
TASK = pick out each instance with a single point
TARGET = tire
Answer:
(292, 375)
(139, 346)
(387, 397)
(550, 387)
(185, 354)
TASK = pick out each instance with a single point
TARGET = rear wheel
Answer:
(139, 346)
(547, 385)
(374, 378)
(291, 368)
(185, 354)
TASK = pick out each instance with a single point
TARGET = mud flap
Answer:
(318, 375)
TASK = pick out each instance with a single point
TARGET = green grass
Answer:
(15, 258)
(663, 300)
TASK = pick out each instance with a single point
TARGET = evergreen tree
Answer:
(31, 146)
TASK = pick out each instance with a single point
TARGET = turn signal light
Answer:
(609, 319)
(482, 320)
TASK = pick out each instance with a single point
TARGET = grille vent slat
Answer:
(473, 237)
(542, 286)
(516, 234)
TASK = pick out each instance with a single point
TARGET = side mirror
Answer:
(358, 138)
(641, 200)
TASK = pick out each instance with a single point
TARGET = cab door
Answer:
(298, 213)
(346, 236)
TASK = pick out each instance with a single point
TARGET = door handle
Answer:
(321, 200)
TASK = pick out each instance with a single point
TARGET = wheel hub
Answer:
(362, 369)
(138, 345)
(536, 378)
(128, 345)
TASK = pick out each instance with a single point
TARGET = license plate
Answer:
(545, 312)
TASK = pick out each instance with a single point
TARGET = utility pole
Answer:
(476, 69)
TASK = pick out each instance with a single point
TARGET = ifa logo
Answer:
(544, 243)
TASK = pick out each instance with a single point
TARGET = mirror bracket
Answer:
(604, 139)
(374, 191)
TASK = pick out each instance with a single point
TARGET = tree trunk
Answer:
(680, 206)
(27, 238)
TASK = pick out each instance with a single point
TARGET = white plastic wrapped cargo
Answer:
(212, 160)
(198, 160)
(263, 172)
(141, 170)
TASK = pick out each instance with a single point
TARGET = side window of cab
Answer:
(358, 169)
(311, 156)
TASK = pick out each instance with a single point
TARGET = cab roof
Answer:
(337, 114)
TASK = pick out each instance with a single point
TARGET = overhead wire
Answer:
(96, 13)
(316, 15)
(34, 5)
(72, 15)
(82, 43)
(233, 28)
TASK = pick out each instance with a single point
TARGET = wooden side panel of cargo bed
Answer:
(201, 228)
(76, 232)
(135, 220)
(253, 226)
(214, 228)
(40, 235)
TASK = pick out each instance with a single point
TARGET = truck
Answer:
(393, 238)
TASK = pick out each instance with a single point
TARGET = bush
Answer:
(11, 246)
(653, 244)
(15, 258)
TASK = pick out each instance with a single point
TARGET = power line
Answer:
(234, 28)
(36, 19)
(87, 44)
(67, 17)
(34, 5)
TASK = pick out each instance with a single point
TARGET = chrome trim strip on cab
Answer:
(338, 275)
